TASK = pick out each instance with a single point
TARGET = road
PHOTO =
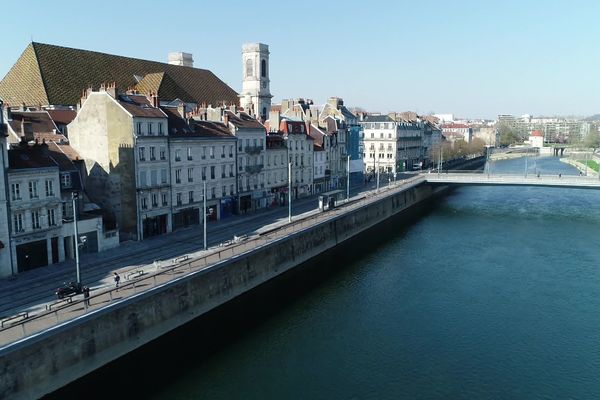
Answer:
(31, 290)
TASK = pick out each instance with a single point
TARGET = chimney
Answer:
(26, 130)
(181, 109)
(154, 100)
(111, 89)
(181, 58)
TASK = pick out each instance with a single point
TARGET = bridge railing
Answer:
(18, 328)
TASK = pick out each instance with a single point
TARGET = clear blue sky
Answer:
(471, 58)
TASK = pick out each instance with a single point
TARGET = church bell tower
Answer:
(256, 96)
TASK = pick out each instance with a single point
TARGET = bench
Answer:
(20, 316)
(67, 299)
(181, 259)
(134, 274)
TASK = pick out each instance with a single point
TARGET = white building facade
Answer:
(255, 96)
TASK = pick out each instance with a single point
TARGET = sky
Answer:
(474, 59)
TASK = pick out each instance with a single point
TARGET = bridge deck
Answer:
(565, 181)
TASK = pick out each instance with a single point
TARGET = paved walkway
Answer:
(156, 274)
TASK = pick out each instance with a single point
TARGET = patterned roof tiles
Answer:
(55, 75)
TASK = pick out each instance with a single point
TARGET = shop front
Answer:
(228, 207)
(156, 225)
(186, 217)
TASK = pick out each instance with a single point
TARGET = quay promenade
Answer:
(75, 338)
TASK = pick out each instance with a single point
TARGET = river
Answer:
(493, 293)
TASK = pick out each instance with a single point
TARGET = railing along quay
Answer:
(64, 311)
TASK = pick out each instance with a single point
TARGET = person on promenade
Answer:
(86, 295)
(117, 280)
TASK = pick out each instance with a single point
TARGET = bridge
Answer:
(481, 179)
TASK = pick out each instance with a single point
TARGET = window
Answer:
(35, 219)
(231, 189)
(163, 176)
(165, 200)
(231, 151)
(160, 129)
(223, 153)
(203, 173)
(162, 153)
(18, 222)
(51, 217)
(154, 177)
(15, 191)
(178, 155)
(212, 172)
(263, 68)
(149, 128)
(231, 170)
(389, 135)
(213, 192)
(381, 135)
(240, 144)
(260, 143)
(142, 153)
(49, 187)
(372, 135)
(152, 153)
(178, 175)
(190, 174)
(189, 154)
(224, 191)
(223, 167)
(191, 196)
(154, 199)
(142, 178)
(248, 67)
(212, 151)
(144, 201)
(138, 128)
(33, 192)
(178, 199)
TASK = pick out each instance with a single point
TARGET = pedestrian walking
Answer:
(117, 280)
(86, 295)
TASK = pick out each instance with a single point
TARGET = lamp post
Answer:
(348, 180)
(204, 213)
(377, 176)
(74, 197)
(289, 192)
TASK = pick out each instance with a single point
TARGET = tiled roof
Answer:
(48, 74)
(210, 129)
(50, 137)
(35, 156)
(244, 121)
(317, 135)
(63, 155)
(377, 118)
(139, 106)
(40, 121)
(62, 116)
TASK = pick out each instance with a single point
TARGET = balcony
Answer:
(253, 149)
(254, 169)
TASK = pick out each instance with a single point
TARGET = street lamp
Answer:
(74, 197)
(290, 191)
(348, 180)
(204, 213)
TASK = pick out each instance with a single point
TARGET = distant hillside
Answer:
(595, 117)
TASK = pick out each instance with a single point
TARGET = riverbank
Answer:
(44, 362)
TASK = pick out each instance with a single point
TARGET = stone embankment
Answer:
(41, 363)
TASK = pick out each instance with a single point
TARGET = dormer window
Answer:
(65, 180)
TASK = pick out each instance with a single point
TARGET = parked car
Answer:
(68, 289)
